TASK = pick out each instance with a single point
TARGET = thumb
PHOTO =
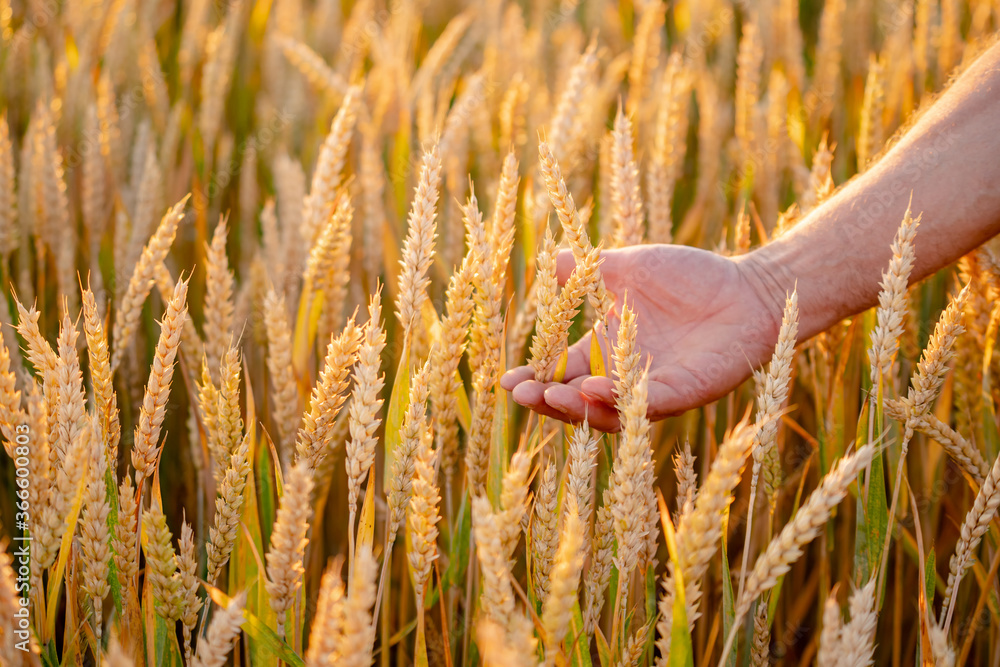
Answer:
(612, 265)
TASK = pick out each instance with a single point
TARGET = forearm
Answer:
(950, 162)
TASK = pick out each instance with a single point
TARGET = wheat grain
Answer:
(699, 531)
(359, 627)
(687, 481)
(105, 399)
(8, 199)
(286, 408)
(977, 522)
(872, 109)
(187, 565)
(161, 564)
(228, 511)
(564, 581)
(328, 396)
(223, 632)
(443, 360)
(786, 548)
(141, 282)
(147, 434)
(669, 148)
(892, 301)
(94, 537)
(599, 573)
(544, 531)
(365, 404)
(626, 199)
(934, 361)
(632, 479)
(328, 624)
(123, 541)
(418, 250)
(288, 542)
(587, 257)
(313, 68)
(326, 178)
(218, 300)
(411, 447)
(422, 518)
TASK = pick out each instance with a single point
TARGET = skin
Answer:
(706, 321)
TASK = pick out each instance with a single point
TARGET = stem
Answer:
(386, 564)
(467, 611)
(623, 581)
(746, 538)
(350, 546)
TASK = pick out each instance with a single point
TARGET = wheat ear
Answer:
(219, 306)
(223, 631)
(365, 405)
(142, 280)
(544, 531)
(105, 399)
(154, 403)
(418, 249)
(976, 523)
(564, 581)
(285, 571)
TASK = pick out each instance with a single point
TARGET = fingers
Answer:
(613, 262)
(516, 376)
(576, 406)
(565, 263)
(531, 395)
(601, 388)
(566, 403)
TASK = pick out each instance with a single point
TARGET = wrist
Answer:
(770, 273)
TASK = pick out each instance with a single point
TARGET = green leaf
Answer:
(930, 575)
(112, 493)
(420, 643)
(500, 435)
(168, 652)
(458, 551)
(596, 356)
(681, 652)
(56, 576)
(398, 401)
(49, 656)
(579, 651)
(728, 602)
(603, 650)
(270, 643)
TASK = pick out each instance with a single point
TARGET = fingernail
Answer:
(556, 406)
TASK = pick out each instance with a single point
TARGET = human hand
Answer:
(704, 322)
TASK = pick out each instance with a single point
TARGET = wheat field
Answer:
(265, 262)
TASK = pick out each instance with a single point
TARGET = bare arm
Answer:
(707, 321)
(949, 160)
